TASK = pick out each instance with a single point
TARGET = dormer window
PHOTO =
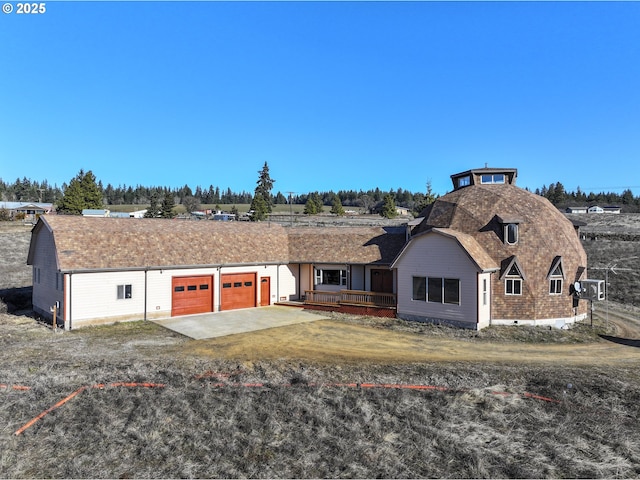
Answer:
(511, 233)
(556, 277)
(494, 178)
(510, 229)
(464, 181)
(512, 276)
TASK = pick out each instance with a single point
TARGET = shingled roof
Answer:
(112, 243)
(355, 245)
(481, 210)
(119, 243)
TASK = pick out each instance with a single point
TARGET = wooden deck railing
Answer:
(351, 297)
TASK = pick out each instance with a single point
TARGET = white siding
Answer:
(435, 255)
(358, 277)
(93, 297)
(284, 286)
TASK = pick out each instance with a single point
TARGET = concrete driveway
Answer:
(219, 324)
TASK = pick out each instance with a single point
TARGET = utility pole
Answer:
(611, 266)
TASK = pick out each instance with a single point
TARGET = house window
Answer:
(36, 275)
(485, 292)
(511, 233)
(124, 291)
(464, 181)
(513, 286)
(556, 275)
(451, 291)
(331, 277)
(555, 286)
(492, 179)
(419, 288)
(513, 277)
(434, 290)
(443, 290)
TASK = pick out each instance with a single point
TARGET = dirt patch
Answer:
(337, 342)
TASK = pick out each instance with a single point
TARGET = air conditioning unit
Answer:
(591, 290)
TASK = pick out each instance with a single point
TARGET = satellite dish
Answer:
(577, 287)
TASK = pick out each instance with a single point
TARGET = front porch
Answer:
(355, 302)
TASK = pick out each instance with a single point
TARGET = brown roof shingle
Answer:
(113, 243)
(357, 245)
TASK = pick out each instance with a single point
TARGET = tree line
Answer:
(26, 190)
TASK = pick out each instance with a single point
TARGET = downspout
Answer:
(146, 269)
(491, 298)
(277, 285)
(218, 307)
(70, 298)
(479, 297)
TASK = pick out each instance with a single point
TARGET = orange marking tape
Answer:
(49, 410)
(80, 390)
(14, 387)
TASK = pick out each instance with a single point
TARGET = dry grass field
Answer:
(322, 400)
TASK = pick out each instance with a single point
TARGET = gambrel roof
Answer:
(83, 243)
(470, 245)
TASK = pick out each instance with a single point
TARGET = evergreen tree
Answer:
(310, 207)
(168, 202)
(264, 186)
(154, 209)
(389, 207)
(82, 192)
(314, 204)
(427, 200)
(280, 199)
(336, 206)
(258, 207)
(627, 197)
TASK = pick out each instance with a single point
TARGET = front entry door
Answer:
(382, 280)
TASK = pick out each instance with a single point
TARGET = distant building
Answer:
(138, 213)
(30, 210)
(606, 209)
(95, 212)
(576, 209)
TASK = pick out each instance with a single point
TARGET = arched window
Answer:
(511, 233)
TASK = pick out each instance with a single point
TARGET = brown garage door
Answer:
(191, 295)
(238, 291)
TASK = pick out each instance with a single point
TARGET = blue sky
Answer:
(332, 95)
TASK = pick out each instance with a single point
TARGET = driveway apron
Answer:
(219, 324)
